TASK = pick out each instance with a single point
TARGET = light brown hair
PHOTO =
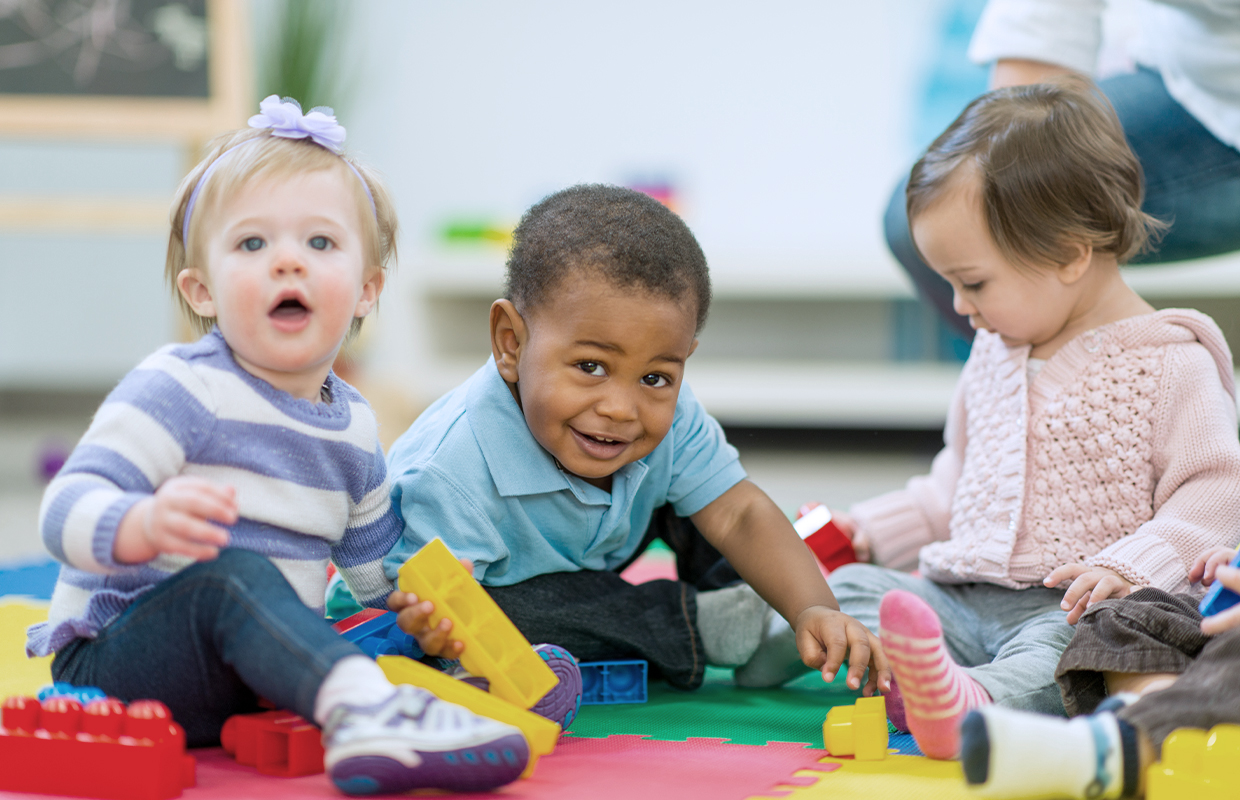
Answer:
(270, 157)
(1056, 172)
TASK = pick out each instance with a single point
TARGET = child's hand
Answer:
(184, 517)
(860, 542)
(1224, 620)
(1208, 562)
(414, 617)
(1089, 585)
(825, 637)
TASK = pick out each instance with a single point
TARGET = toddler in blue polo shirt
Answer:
(578, 443)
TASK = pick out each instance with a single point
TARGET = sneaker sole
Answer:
(465, 769)
(562, 703)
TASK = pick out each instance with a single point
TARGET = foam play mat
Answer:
(718, 743)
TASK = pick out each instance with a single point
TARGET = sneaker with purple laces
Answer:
(414, 740)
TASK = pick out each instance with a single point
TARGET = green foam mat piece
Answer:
(719, 709)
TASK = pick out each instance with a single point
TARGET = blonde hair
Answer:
(270, 156)
(1055, 171)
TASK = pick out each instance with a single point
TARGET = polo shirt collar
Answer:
(518, 463)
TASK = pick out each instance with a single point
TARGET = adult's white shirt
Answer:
(1194, 44)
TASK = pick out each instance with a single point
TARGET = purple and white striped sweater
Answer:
(310, 478)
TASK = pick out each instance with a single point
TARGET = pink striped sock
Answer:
(937, 691)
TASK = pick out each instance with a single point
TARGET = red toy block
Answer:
(360, 618)
(105, 750)
(832, 547)
(278, 743)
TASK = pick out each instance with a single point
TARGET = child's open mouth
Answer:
(599, 446)
(289, 314)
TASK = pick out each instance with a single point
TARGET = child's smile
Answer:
(597, 372)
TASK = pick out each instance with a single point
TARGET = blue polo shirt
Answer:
(470, 472)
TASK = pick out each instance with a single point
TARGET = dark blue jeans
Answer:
(208, 642)
(1192, 181)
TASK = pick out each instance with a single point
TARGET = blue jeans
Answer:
(208, 642)
(1192, 180)
(1009, 640)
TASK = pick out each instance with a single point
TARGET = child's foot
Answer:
(731, 621)
(777, 660)
(937, 692)
(414, 740)
(1018, 754)
(562, 703)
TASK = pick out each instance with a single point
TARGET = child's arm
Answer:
(373, 529)
(120, 499)
(756, 538)
(1196, 494)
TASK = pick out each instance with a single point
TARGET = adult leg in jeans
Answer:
(1192, 181)
(207, 642)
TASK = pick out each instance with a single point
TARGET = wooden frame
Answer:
(230, 82)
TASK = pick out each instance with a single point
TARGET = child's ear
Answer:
(1074, 270)
(371, 290)
(193, 287)
(508, 336)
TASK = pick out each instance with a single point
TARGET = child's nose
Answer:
(285, 263)
(962, 307)
(618, 405)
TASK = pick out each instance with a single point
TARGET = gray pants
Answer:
(1151, 631)
(1009, 640)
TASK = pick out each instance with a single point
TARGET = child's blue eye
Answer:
(656, 381)
(253, 243)
(320, 242)
(591, 368)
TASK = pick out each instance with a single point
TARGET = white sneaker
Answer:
(414, 740)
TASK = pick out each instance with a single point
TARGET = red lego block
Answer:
(104, 750)
(360, 618)
(278, 743)
(832, 547)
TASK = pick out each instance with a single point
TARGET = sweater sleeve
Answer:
(1196, 457)
(374, 529)
(139, 438)
(900, 523)
(1067, 33)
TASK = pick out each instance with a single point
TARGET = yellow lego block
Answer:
(494, 648)
(1196, 765)
(859, 730)
(540, 733)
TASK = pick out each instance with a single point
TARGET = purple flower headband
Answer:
(285, 119)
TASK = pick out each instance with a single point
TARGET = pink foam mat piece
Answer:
(615, 768)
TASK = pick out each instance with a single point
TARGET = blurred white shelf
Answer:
(1206, 277)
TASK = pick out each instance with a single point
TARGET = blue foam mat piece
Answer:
(31, 578)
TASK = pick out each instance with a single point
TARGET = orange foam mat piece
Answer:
(896, 776)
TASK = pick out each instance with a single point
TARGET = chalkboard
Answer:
(113, 48)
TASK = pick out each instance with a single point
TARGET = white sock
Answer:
(1019, 754)
(731, 621)
(776, 660)
(355, 680)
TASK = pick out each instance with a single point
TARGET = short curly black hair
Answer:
(628, 237)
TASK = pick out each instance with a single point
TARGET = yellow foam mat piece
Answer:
(18, 674)
(896, 776)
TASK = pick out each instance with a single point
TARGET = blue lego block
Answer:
(82, 694)
(381, 637)
(606, 682)
(1220, 598)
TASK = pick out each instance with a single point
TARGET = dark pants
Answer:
(208, 642)
(1151, 631)
(1192, 180)
(599, 616)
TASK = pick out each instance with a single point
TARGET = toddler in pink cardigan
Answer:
(1092, 440)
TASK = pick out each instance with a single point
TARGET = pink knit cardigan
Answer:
(1123, 454)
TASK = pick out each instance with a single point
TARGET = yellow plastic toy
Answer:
(859, 731)
(1197, 765)
(540, 733)
(494, 648)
